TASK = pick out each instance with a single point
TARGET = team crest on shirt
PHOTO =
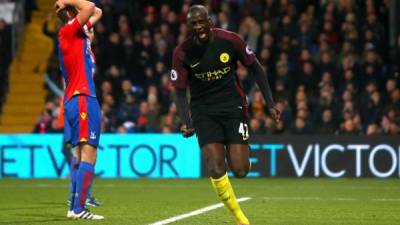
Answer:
(92, 135)
(224, 57)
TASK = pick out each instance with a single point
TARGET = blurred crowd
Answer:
(327, 61)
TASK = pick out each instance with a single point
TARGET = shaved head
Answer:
(197, 10)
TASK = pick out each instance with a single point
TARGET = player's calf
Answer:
(240, 172)
(216, 167)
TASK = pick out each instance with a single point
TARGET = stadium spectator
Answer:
(391, 122)
(170, 121)
(43, 124)
(327, 125)
(128, 110)
(373, 129)
(147, 119)
(48, 122)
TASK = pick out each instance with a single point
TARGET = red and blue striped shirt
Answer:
(77, 62)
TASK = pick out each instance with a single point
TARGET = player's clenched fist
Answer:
(187, 131)
(275, 114)
(59, 5)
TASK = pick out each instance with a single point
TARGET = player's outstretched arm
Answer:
(182, 107)
(96, 16)
(262, 82)
(85, 9)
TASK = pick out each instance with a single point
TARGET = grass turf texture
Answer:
(274, 201)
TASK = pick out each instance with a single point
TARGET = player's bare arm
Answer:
(182, 107)
(179, 79)
(96, 16)
(85, 9)
(262, 82)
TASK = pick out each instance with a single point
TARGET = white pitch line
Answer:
(291, 198)
(194, 213)
(328, 199)
(386, 199)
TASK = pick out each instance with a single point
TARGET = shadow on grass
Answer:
(37, 219)
(37, 205)
(58, 204)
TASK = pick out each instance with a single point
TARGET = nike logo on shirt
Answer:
(194, 65)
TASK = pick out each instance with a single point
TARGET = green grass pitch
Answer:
(274, 201)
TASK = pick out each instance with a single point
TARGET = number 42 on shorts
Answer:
(244, 131)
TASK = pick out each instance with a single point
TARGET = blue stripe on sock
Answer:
(72, 189)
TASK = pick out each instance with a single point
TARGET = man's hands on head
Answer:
(187, 131)
(59, 5)
(85, 9)
(275, 114)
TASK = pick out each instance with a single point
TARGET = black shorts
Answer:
(226, 128)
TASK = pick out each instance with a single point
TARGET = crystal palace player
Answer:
(206, 63)
(82, 110)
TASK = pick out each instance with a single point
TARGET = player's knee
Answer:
(89, 153)
(216, 170)
(240, 173)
